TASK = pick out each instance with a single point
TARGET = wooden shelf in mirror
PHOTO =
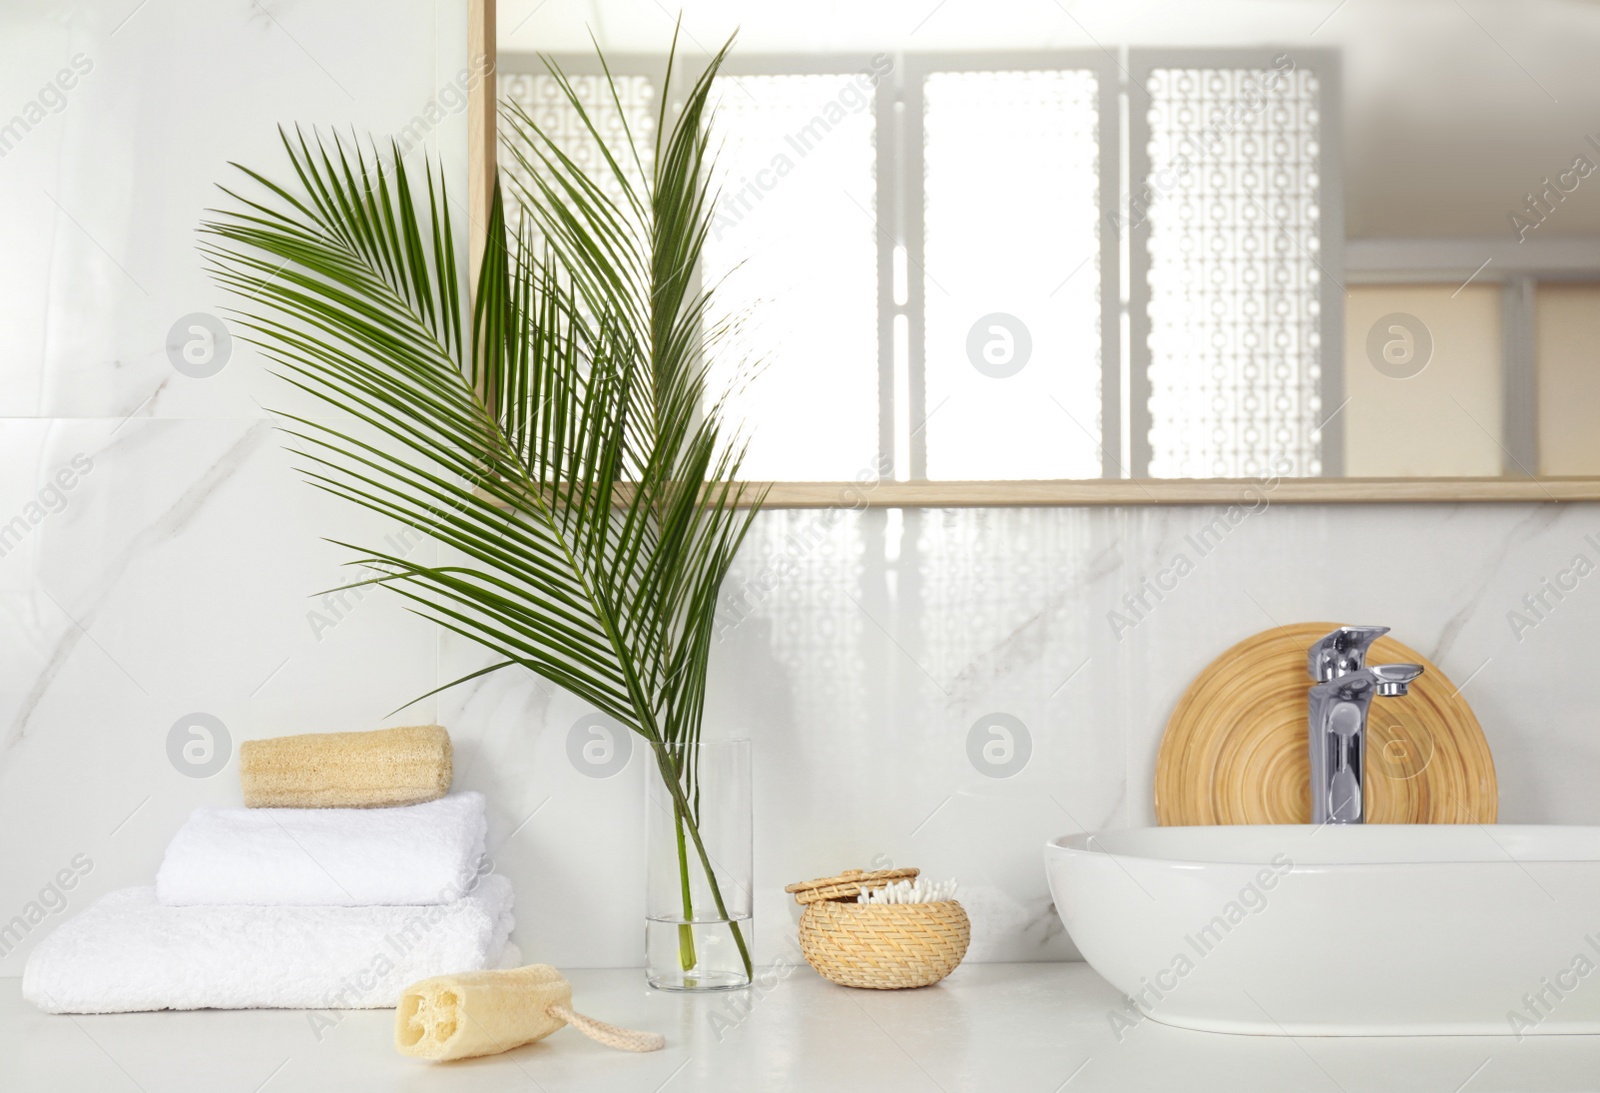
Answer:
(1247, 492)
(1178, 491)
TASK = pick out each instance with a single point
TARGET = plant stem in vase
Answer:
(698, 911)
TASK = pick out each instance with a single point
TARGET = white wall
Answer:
(176, 577)
(1438, 415)
(1568, 381)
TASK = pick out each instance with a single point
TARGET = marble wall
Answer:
(169, 562)
(166, 558)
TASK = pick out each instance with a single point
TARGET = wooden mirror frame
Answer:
(481, 130)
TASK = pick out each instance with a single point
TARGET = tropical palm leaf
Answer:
(555, 436)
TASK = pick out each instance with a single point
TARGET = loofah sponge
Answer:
(483, 1013)
(383, 769)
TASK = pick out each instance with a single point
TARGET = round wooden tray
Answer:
(1236, 750)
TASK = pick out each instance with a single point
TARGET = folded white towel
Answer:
(345, 857)
(128, 952)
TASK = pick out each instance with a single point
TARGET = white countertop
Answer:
(1009, 1027)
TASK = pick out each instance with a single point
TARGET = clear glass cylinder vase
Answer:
(698, 934)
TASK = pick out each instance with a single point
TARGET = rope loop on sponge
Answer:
(623, 1039)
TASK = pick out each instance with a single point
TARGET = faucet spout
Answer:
(1337, 716)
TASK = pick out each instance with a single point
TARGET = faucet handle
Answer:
(1341, 652)
(1394, 679)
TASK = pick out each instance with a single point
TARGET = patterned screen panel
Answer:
(542, 98)
(1012, 274)
(1234, 204)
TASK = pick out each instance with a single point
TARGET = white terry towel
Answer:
(127, 952)
(346, 857)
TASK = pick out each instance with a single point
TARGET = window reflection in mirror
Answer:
(1014, 242)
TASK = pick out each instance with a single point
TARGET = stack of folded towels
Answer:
(352, 873)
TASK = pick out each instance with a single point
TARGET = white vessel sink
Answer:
(1362, 930)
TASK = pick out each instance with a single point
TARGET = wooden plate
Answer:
(1236, 750)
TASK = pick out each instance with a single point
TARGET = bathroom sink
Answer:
(1358, 930)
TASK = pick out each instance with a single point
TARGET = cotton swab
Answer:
(919, 891)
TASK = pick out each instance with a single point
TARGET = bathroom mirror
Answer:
(1132, 253)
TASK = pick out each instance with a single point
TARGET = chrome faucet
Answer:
(1339, 702)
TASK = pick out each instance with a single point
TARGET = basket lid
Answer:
(846, 885)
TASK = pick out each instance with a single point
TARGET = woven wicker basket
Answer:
(884, 946)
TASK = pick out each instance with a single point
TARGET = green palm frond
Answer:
(554, 435)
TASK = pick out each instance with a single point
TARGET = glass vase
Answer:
(697, 828)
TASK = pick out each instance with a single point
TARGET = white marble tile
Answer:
(103, 195)
(1444, 577)
(176, 578)
(862, 750)
(861, 672)
(568, 836)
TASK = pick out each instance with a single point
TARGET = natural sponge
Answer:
(483, 1013)
(382, 769)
